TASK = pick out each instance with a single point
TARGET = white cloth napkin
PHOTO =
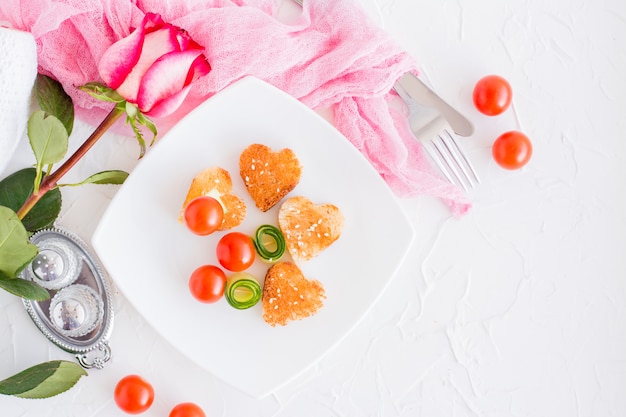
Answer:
(18, 69)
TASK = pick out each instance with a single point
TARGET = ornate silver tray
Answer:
(78, 316)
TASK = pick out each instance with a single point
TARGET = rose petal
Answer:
(156, 44)
(164, 39)
(120, 58)
(169, 105)
(153, 20)
(186, 42)
(199, 68)
(166, 77)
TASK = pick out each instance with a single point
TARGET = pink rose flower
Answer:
(154, 66)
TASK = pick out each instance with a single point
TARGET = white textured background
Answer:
(516, 309)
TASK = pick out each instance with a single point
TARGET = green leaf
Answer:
(131, 110)
(142, 143)
(145, 121)
(102, 92)
(134, 117)
(55, 101)
(16, 250)
(23, 288)
(44, 380)
(17, 187)
(105, 177)
(48, 138)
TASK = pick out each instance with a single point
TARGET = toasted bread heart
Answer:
(308, 228)
(289, 295)
(216, 182)
(267, 175)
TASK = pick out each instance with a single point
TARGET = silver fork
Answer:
(436, 135)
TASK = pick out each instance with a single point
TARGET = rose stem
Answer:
(51, 181)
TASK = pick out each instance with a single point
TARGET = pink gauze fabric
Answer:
(331, 55)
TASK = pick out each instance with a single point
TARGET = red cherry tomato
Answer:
(492, 95)
(235, 251)
(512, 150)
(187, 410)
(133, 394)
(203, 215)
(207, 283)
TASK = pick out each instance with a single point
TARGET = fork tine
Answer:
(457, 160)
(466, 162)
(451, 163)
(437, 157)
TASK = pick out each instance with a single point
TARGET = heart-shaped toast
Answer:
(268, 175)
(289, 295)
(216, 182)
(308, 228)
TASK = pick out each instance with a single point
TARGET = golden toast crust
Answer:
(268, 176)
(309, 228)
(289, 295)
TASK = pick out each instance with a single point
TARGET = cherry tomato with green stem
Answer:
(203, 215)
(512, 150)
(187, 410)
(235, 251)
(133, 394)
(207, 283)
(492, 95)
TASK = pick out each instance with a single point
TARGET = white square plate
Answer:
(150, 255)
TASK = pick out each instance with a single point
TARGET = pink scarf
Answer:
(332, 55)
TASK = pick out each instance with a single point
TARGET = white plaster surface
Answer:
(517, 309)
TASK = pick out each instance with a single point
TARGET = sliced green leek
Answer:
(242, 290)
(269, 243)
